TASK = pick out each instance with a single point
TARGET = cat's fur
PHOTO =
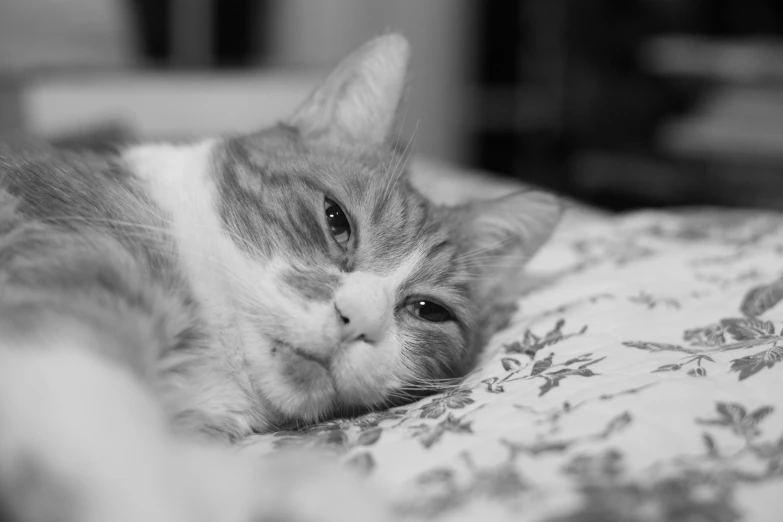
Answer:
(204, 280)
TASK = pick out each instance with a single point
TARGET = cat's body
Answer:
(244, 283)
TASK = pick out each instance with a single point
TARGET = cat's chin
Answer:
(303, 386)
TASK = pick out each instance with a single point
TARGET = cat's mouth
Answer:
(282, 349)
(311, 357)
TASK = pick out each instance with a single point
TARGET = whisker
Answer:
(394, 150)
(402, 163)
(402, 160)
(440, 379)
(484, 250)
(98, 221)
(108, 221)
(510, 265)
(423, 385)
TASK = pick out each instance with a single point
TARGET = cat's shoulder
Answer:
(36, 158)
(43, 180)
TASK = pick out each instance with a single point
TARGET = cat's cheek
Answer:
(435, 350)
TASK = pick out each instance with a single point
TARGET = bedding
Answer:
(641, 378)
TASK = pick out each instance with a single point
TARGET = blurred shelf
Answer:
(153, 104)
(734, 123)
(738, 60)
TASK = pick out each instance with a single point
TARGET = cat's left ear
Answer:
(359, 102)
(498, 237)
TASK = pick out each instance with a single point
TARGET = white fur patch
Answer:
(366, 304)
(179, 179)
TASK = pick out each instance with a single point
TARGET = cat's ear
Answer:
(359, 101)
(497, 237)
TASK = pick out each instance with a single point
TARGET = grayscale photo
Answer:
(391, 261)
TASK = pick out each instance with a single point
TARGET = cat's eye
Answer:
(338, 222)
(429, 311)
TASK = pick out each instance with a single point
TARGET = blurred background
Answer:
(620, 103)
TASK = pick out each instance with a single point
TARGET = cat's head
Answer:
(356, 291)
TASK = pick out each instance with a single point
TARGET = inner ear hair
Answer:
(499, 236)
(359, 102)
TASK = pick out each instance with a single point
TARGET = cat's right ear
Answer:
(359, 102)
(497, 237)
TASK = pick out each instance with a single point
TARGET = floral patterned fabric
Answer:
(642, 380)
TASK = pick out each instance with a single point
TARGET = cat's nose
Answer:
(362, 303)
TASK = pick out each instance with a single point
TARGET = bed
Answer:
(641, 379)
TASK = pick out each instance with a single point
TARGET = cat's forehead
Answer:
(392, 223)
(280, 152)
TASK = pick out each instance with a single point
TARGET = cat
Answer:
(232, 286)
